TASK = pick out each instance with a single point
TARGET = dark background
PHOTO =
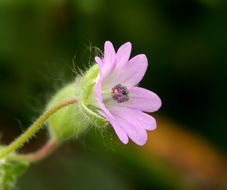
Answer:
(43, 44)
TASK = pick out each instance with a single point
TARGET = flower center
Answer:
(120, 93)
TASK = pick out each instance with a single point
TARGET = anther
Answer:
(120, 93)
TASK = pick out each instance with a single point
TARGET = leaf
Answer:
(9, 171)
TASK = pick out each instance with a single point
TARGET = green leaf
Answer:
(9, 171)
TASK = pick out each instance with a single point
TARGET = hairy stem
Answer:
(36, 126)
(38, 155)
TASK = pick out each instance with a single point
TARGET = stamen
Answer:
(120, 93)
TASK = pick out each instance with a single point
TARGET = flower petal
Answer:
(105, 112)
(99, 62)
(147, 121)
(117, 128)
(109, 59)
(140, 99)
(97, 89)
(123, 54)
(130, 125)
(129, 75)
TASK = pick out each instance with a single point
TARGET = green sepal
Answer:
(68, 121)
(88, 98)
(88, 84)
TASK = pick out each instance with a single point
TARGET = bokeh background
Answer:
(44, 43)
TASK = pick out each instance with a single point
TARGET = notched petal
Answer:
(123, 54)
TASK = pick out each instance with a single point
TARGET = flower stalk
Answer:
(38, 155)
(35, 127)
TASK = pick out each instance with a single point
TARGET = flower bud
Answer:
(68, 121)
(75, 118)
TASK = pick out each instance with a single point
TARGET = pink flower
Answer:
(121, 102)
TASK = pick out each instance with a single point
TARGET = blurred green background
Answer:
(44, 43)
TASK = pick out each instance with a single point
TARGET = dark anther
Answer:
(120, 93)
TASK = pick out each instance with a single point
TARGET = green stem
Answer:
(35, 126)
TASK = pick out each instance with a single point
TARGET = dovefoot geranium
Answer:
(120, 101)
(107, 93)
